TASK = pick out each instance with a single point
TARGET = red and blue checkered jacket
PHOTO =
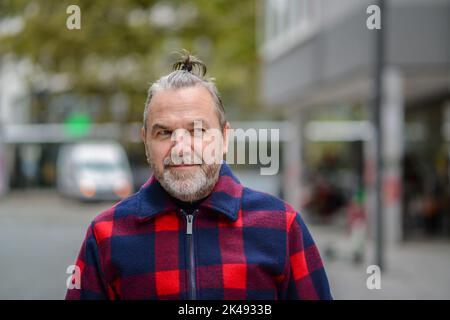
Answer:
(239, 244)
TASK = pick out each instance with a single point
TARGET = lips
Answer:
(183, 166)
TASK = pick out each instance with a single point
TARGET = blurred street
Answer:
(355, 95)
(41, 234)
(414, 270)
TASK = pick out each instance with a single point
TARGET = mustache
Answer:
(190, 159)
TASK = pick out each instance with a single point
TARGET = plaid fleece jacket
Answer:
(239, 244)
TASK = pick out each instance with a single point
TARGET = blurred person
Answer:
(193, 231)
(353, 247)
(326, 198)
(427, 195)
(356, 222)
(432, 206)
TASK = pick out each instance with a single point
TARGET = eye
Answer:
(164, 133)
(198, 130)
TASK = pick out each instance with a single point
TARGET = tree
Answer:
(123, 45)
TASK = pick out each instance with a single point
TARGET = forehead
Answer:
(179, 106)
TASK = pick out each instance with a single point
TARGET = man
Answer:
(193, 231)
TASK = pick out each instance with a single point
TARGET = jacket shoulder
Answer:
(253, 200)
(258, 201)
(124, 207)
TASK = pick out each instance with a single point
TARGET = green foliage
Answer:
(120, 48)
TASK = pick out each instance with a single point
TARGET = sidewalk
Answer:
(413, 270)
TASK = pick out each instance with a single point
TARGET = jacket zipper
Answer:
(191, 254)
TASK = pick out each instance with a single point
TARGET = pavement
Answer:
(412, 270)
(40, 236)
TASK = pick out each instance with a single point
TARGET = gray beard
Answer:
(188, 186)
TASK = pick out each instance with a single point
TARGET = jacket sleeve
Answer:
(305, 275)
(88, 280)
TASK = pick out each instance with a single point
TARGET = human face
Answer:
(173, 115)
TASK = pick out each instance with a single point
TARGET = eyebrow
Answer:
(158, 126)
(204, 123)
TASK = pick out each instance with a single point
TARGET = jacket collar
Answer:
(225, 197)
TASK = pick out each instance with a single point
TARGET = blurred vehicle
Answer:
(94, 171)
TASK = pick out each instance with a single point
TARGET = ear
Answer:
(143, 133)
(143, 136)
(225, 133)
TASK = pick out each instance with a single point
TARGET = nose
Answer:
(182, 138)
(182, 143)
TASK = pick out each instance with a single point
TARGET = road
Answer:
(40, 235)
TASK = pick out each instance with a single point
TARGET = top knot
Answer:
(190, 63)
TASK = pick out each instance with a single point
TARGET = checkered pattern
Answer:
(248, 245)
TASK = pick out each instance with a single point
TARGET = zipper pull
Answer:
(189, 219)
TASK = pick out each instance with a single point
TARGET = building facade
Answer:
(321, 54)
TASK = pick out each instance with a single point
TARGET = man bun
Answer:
(189, 63)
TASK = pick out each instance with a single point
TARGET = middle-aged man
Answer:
(193, 231)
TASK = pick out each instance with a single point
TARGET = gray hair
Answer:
(185, 77)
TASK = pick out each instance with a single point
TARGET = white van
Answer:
(94, 171)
